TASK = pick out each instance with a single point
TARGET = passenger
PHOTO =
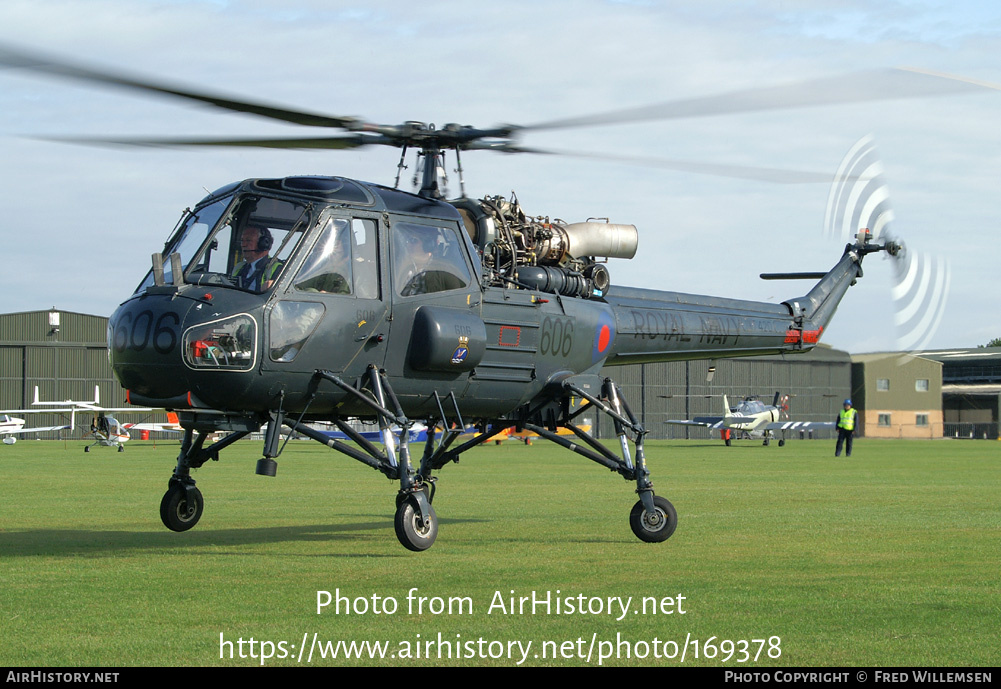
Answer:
(420, 268)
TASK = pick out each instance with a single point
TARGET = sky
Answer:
(79, 223)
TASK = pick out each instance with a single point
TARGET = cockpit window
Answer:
(427, 259)
(751, 407)
(343, 260)
(186, 242)
(245, 248)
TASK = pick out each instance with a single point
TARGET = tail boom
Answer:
(654, 326)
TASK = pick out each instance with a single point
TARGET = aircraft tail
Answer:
(726, 407)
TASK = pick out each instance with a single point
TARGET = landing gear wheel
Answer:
(413, 533)
(782, 442)
(657, 526)
(121, 448)
(178, 513)
(87, 449)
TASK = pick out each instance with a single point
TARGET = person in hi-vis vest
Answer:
(847, 423)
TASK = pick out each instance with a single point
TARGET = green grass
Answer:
(889, 558)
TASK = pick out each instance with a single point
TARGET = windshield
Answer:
(241, 242)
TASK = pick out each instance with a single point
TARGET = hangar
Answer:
(817, 383)
(971, 391)
(952, 393)
(65, 354)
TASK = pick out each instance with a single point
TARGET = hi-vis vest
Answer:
(846, 419)
(271, 267)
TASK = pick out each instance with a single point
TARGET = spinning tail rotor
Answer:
(859, 199)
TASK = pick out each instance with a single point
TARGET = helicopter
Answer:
(281, 302)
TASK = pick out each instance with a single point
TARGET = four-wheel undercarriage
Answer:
(652, 518)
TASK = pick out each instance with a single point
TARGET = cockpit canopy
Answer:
(236, 241)
(247, 235)
(750, 406)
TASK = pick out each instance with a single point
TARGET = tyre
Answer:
(657, 526)
(411, 531)
(176, 511)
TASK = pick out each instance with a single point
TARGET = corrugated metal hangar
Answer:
(64, 354)
(817, 383)
(971, 391)
(952, 393)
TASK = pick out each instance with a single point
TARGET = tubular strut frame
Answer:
(614, 405)
(374, 390)
(193, 455)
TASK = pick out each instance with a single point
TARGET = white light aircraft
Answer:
(104, 428)
(752, 418)
(11, 427)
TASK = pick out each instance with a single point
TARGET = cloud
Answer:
(92, 216)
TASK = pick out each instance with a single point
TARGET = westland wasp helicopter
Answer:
(286, 301)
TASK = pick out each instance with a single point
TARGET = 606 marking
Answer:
(557, 336)
(135, 332)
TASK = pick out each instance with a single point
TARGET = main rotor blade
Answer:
(11, 57)
(756, 174)
(329, 142)
(885, 84)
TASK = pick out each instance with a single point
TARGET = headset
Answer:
(265, 240)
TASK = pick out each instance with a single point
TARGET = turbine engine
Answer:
(540, 253)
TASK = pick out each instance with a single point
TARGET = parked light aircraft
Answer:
(752, 418)
(11, 426)
(104, 428)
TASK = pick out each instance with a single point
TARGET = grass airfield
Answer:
(783, 557)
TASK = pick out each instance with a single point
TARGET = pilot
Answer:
(420, 270)
(846, 423)
(256, 272)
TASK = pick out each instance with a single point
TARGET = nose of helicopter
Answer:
(165, 347)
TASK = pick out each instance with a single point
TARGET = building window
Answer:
(884, 420)
(882, 384)
(921, 385)
(921, 420)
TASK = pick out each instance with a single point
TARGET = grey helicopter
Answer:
(282, 302)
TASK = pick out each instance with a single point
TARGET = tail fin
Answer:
(173, 418)
(726, 407)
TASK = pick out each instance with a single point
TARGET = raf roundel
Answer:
(604, 334)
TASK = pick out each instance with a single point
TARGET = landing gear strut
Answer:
(653, 519)
(182, 504)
